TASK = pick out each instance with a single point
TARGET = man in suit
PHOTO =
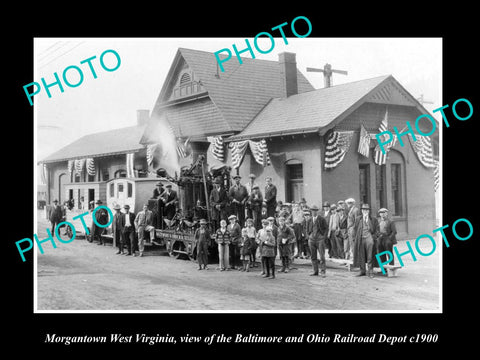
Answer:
(117, 229)
(56, 215)
(238, 196)
(270, 197)
(143, 222)
(170, 200)
(352, 213)
(256, 201)
(101, 217)
(128, 223)
(316, 231)
(387, 237)
(249, 186)
(218, 202)
(366, 234)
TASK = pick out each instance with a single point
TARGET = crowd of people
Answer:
(260, 228)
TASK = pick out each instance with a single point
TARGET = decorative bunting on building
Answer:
(130, 160)
(436, 175)
(423, 149)
(260, 152)
(338, 143)
(150, 151)
(79, 164)
(238, 151)
(216, 147)
(70, 166)
(90, 166)
(364, 142)
(43, 174)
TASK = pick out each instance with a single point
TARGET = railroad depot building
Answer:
(264, 117)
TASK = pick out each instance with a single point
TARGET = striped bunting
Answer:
(150, 152)
(238, 151)
(130, 159)
(338, 143)
(79, 164)
(260, 152)
(436, 175)
(90, 166)
(70, 166)
(423, 149)
(216, 147)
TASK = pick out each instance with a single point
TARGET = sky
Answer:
(112, 99)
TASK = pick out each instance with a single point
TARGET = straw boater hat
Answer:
(350, 201)
(382, 210)
(203, 222)
(314, 208)
(365, 207)
(232, 217)
(116, 207)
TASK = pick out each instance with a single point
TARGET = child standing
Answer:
(267, 246)
(252, 234)
(261, 236)
(222, 238)
(245, 250)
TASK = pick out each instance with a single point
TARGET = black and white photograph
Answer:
(210, 174)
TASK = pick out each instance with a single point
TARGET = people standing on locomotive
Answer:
(235, 234)
(256, 203)
(223, 239)
(238, 196)
(218, 202)
(202, 238)
(170, 200)
(160, 210)
(270, 196)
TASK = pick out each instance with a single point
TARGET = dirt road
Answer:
(85, 276)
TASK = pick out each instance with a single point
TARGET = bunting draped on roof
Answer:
(71, 164)
(90, 166)
(129, 164)
(258, 148)
(216, 147)
(79, 164)
(423, 149)
(338, 143)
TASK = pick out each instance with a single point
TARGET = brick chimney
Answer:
(142, 117)
(288, 73)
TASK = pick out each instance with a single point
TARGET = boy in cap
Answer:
(222, 238)
(261, 235)
(202, 238)
(267, 245)
(252, 234)
(245, 251)
(284, 238)
(256, 203)
(235, 233)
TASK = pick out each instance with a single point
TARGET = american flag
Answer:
(130, 160)
(338, 143)
(90, 166)
(364, 142)
(216, 147)
(380, 157)
(260, 152)
(150, 151)
(183, 149)
(238, 149)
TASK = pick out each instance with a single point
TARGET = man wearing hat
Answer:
(270, 196)
(158, 191)
(128, 221)
(316, 229)
(303, 248)
(117, 229)
(218, 202)
(202, 238)
(388, 232)
(158, 195)
(144, 222)
(352, 213)
(256, 203)
(101, 216)
(366, 233)
(235, 231)
(342, 237)
(251, 183)
(169, 198)
(333, 230)
(238, 196)
(56, 215)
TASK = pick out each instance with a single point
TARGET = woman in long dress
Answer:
(202, 236)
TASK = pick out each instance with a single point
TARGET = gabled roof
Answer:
(320, 110)
(239, 92)
(111, 142)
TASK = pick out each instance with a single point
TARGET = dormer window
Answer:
(186, 85)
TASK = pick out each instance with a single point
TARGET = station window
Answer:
(364, 183)
(397, 209)
(129, 190)
(112, 190)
